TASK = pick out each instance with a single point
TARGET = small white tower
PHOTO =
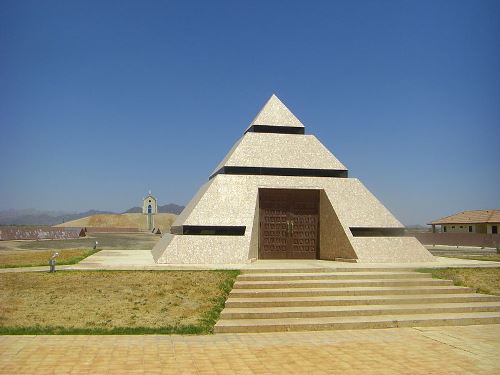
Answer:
(150, 208)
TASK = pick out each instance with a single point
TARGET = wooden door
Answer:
(289, 224)
(274, 241)
(304, 210)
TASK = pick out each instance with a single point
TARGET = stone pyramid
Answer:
(275, 113)
(280, 194)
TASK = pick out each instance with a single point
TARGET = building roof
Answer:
(149, 196)
(470, 217)
(275, 113)
(271, 150)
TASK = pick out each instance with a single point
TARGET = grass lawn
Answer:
(27, 258)
(112, 302)
(484, 280)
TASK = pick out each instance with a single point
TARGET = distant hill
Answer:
(133, 210)
(128, 220)
(39, 217)
(170, 208)
(36, 217)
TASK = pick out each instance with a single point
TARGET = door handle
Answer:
(288, 228)
(292, 226)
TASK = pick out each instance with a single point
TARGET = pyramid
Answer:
(280, 194)
(275, 113)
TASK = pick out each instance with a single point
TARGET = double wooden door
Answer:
(289, 224)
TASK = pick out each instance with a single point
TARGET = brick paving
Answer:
(433, 350)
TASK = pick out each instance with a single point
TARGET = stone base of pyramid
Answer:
(229, 202)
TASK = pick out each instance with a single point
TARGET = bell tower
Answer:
(150, 208)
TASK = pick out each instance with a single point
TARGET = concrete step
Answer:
(355, 322)
(235, 302)
(348, 291)
(338, 283)
(331, 276)
(319, 270)
(360, 310)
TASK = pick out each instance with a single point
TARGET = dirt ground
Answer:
(107, 241)
(108, 299)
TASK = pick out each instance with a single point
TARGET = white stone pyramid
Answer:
(279, 194)
(275, 113)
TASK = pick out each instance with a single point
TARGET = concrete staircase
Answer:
(271, 300)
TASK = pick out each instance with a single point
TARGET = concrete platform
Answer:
(142, 259)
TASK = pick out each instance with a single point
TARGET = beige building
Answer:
(476, 221)
(280, 194)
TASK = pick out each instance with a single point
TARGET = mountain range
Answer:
(170, 208)
(40, 217)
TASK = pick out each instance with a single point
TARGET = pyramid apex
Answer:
(275, 114)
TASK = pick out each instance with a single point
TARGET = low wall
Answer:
(40, 233)
(458, 239)
(110, 230)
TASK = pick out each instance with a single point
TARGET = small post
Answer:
(95, 245)
(52, 262)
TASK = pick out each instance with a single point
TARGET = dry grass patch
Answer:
(113, 301)
(484, 280)
(26, 258)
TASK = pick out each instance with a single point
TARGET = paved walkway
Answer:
(436, 350)
(143, 260)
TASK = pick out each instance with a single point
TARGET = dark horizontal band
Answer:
(275, 129)
(209, 230)
(281, 172)
(377, 232)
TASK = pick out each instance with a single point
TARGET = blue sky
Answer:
(101, 101)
